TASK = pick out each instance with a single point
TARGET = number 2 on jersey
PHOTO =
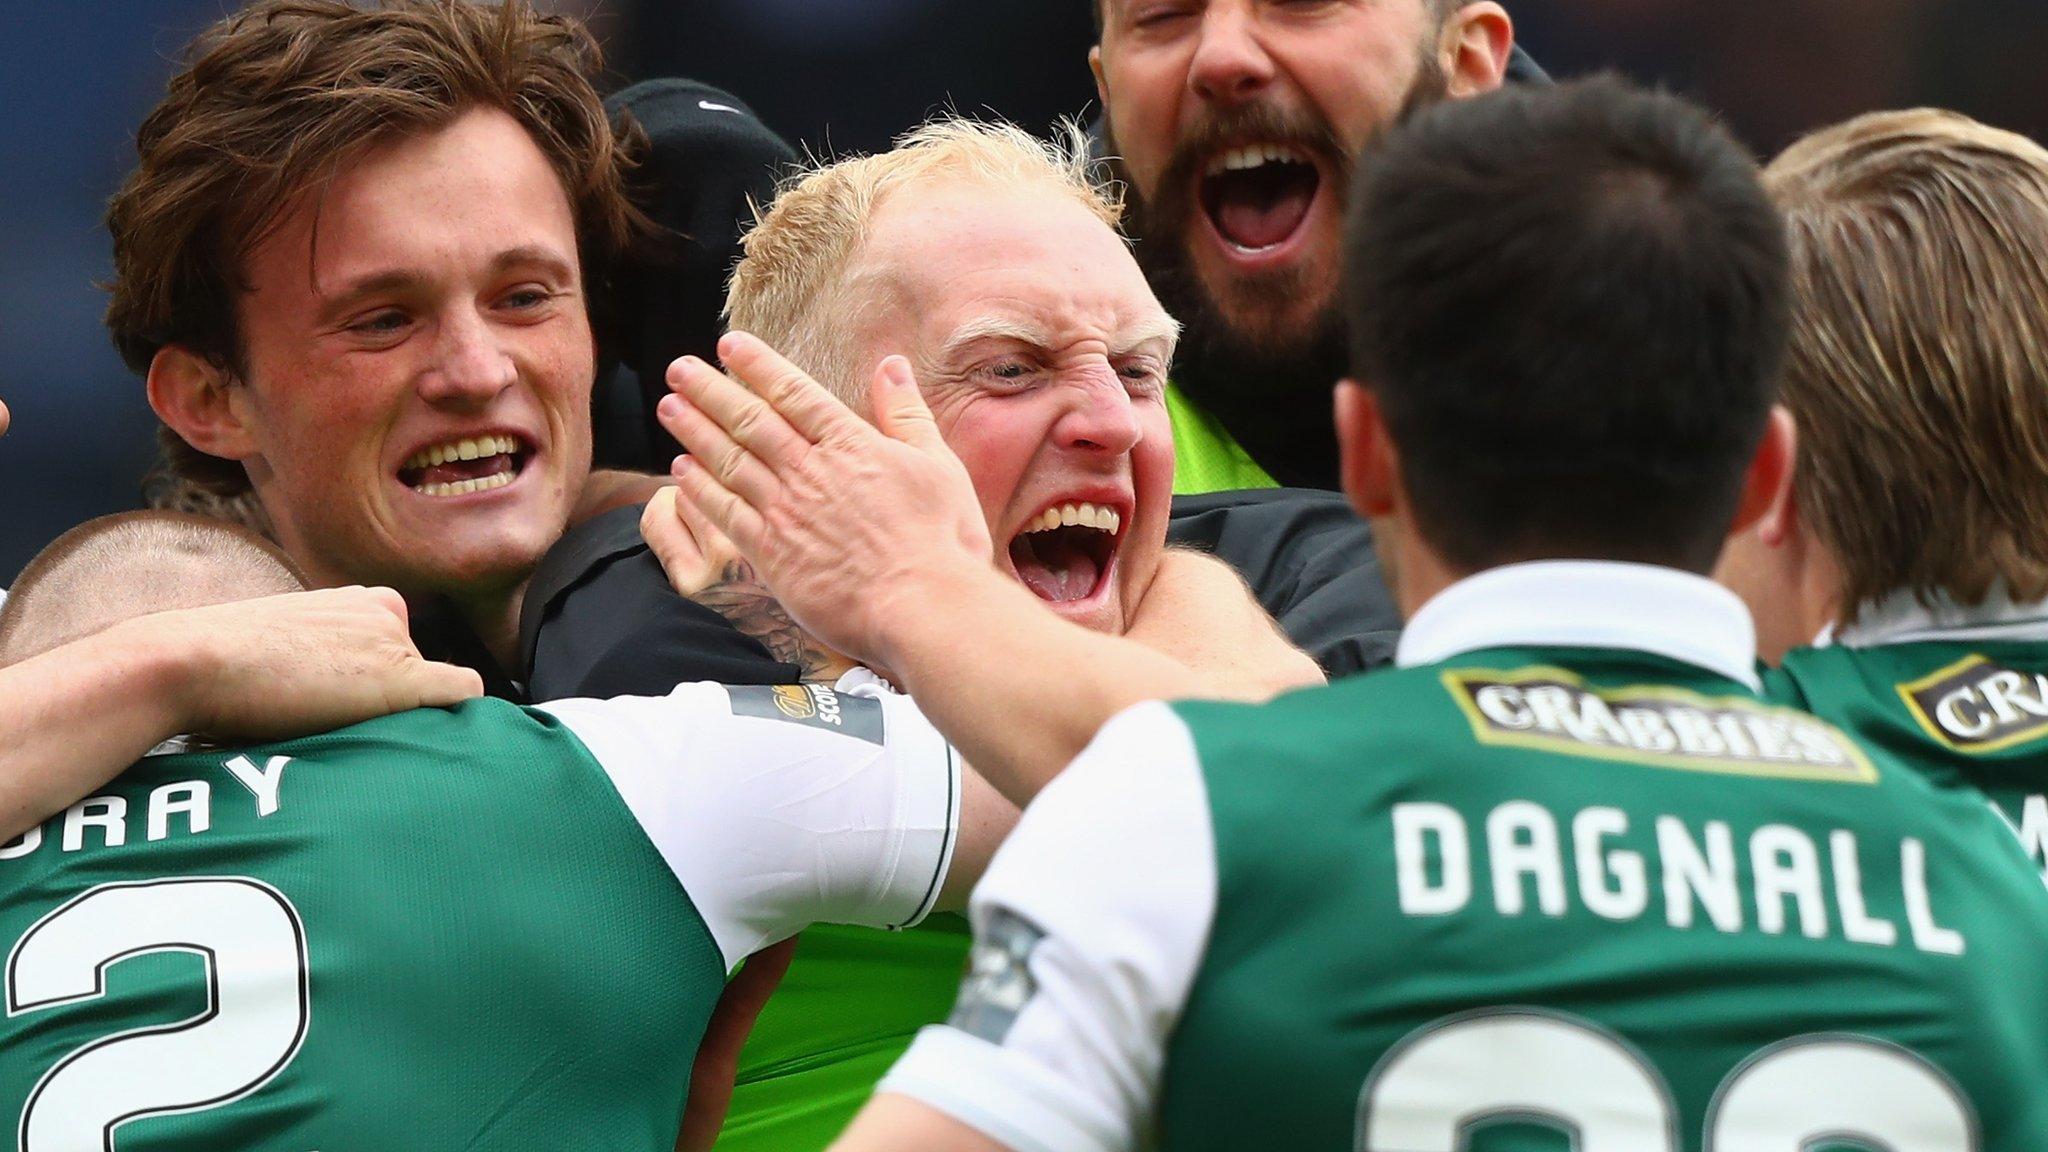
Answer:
(1513, 1064)
(254, 948)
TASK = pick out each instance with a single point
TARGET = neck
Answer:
(1423, 573)
(494, 618)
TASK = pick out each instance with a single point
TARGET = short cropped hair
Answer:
(789, 285)
(131, 564)
(1918, 368)
(1571, 303)
(279, 96)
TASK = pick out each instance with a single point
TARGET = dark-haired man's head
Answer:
(1568, 307)
(367, 318)
(1235, 124)
(119, 567)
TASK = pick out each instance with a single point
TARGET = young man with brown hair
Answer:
(1913, 542)
(366, 323)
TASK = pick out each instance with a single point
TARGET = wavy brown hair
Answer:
(278, 97)
(1918, 369)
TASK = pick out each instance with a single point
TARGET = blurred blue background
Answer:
(838, 76)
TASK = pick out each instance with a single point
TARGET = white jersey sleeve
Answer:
(781, 806)
(1088, 932)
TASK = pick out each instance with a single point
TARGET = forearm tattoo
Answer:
(740, 597)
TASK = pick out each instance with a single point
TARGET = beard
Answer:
(1264, 375)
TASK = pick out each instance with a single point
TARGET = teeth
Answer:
(465, 487)
(463, 450)
(1252, 156)
(1073, 515)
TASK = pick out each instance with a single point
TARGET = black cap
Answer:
(706, 154)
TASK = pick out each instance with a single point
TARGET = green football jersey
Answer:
(483, 927)
(1972, 712)
(1516, 896)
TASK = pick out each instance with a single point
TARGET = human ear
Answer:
(1095, 66)
(1368, 463)
(1474, 48)
(199, 400)
(1766, 501)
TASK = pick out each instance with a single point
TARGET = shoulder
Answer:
(599, 619)
(1310, 560)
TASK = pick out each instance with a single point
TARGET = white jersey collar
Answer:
(1903, 618)
(1588, 604)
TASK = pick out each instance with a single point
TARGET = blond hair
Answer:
(1918, 368)
(789, 287)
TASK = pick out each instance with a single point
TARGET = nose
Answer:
(1230, 64)
(1100, 418)
(471, 365)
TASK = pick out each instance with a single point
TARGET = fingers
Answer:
(444, 685)
(804, 403)
(899, 406)
(692, 552)
(392, 602)
(665, 535)
(719, 506)
(735, 467)
(743, 417)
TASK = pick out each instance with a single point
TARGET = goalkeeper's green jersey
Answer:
(853, 999)
(1562, 880)
(1959, 693)
(483, 927)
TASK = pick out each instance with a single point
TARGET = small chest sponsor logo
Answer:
(794, 702)
(1976, 705)
(813, 706)
(1555, 711)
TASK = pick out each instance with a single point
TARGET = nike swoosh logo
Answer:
(708, 106)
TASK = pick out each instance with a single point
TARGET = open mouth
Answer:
(1257, 196)
(1066, 552)
(460, 467)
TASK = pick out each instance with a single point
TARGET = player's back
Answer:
(1542, 890)
(1967, 709)
(442, 929)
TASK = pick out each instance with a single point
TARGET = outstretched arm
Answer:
(77, 715)
(873, 538)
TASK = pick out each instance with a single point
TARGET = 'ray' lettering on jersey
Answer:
(186, 805)
(1975, 705)
(1553, 710)
(1796, 882)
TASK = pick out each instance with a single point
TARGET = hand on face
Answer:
(308, 662)
(844, 520)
